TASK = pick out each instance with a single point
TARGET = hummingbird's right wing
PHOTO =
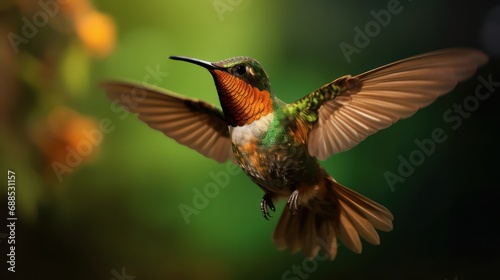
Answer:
(190, 122)
(344, 112)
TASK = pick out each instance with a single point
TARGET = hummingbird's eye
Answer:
(241, 69)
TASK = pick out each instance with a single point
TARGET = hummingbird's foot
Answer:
(264, 204)
(293, 202)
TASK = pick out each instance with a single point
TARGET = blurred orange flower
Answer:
(67, 140)
(96, 30)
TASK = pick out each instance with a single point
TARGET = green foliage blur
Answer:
(98, 193)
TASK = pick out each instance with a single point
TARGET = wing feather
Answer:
(369, 102)
(190, 122)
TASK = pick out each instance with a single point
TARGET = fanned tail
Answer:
(330, 212)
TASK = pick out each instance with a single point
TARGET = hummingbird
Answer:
(279, 145)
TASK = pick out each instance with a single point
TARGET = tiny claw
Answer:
(293, 202)
(264, 204)
(271, 206)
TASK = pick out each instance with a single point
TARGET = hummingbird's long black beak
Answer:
(202, 63)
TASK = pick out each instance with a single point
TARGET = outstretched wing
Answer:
(190, 122)
(344, 112)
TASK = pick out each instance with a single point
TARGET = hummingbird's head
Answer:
(243, 87)
(247, 69)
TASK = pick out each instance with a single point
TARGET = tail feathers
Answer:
(339, 213)
(307, 232)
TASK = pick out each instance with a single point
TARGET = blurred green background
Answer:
(113, 210)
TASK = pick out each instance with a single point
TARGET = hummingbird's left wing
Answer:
(344, 112)
(190, 122)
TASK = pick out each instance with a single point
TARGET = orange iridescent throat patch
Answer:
(241, 102)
